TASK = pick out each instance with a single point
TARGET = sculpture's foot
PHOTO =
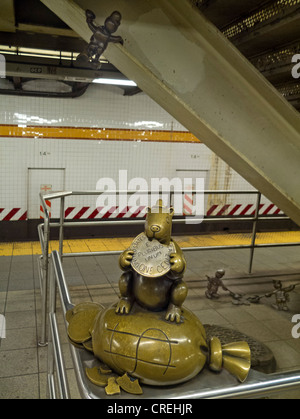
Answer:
(173, 314)
(95, 64)
(124, 306)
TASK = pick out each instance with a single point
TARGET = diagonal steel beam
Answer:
(187, 66)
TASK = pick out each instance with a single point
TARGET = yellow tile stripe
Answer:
(98, 245)
(98, 134)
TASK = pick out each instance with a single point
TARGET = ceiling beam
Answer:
(266, 23)
(223, 13)
(24, 27)
(7, 18)
(285, 27)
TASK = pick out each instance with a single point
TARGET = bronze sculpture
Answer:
(281, 295)
(162, 291)
(100, 39)
(214, 283)
(148, 335)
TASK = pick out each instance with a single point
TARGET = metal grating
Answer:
(290, 90)
(266, 13)
(279, 57)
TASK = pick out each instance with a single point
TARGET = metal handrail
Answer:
(44, 233)
(205, 386)
(55, 356)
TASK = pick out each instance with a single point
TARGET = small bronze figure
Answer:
(102, 35)
(214, 284)
(213, 287)
(281, 295)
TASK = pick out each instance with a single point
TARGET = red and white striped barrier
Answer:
(75, 213)
(88, 213)
(13, 214)
(91, 213)
(48, 206)
(243, 210)
(188, 207)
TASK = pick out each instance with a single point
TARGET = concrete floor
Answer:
(23, 364)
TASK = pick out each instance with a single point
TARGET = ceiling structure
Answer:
(38, 45)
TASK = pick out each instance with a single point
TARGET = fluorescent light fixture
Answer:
(117, 82)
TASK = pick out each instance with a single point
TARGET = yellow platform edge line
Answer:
(109, 244)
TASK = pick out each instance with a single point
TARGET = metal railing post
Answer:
(55, 355)
(50, 361)
(45, 277)
(254, 231)
(61, 227)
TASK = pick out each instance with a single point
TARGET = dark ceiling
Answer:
(266, 32)
(35, 13)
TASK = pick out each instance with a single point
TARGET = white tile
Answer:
(88, 161)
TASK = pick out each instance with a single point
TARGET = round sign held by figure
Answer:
(151, 258)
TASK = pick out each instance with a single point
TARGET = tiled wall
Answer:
(27, 163)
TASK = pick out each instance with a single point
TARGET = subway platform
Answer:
(23, 364)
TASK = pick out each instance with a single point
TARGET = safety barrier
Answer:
(44, 233)
(206, 386)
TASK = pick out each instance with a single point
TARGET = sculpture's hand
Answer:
(177, 264)
(124, 306)
(125, 259)
(173, 314)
